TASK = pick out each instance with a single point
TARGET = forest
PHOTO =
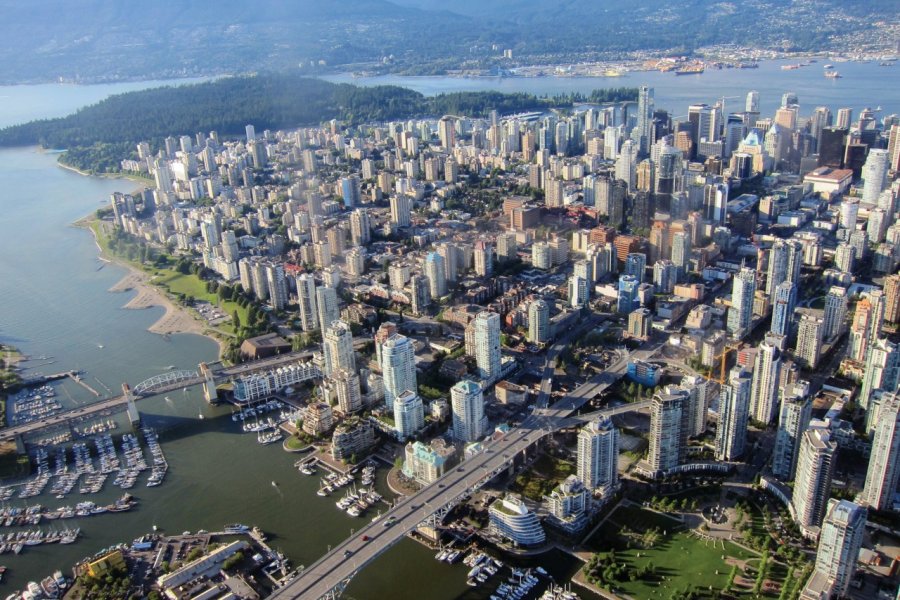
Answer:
(98, 136)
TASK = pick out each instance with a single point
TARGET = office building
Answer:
(734, 404)
(884, 460)
(578, 291)
(467, 402)
(409, 414)
(766, 378)
(538, 322)
(740, 314)
(812, 486)
(598, 455)
(793, 420)
(487, 346)
(639, 322)
(398, 367)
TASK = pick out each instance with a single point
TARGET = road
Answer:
(343, 561)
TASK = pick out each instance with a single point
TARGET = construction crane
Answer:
(723, 360)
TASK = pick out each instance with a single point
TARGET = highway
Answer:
(343, 561)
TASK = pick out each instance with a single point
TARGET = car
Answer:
(348, 552)
(461, 470)
(441, 485)
(366, 538)
(388, 523)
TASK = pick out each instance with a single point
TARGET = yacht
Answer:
(236, 528)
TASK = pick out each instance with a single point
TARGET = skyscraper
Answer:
(884, 461)
(337, 346)
(360, 227)
(484, 259)
(838, 551)
(467, 403)
(276, 285)
(578, 291)
(882, 371)
(793, 420)
(487, 346)
(809, 340)
(409, 414)
(812, 486)
(681, 252)
(785, 260)
(766, 377)
(327, 306)
(538, 322)
(734, 403)
(892, 298)
(835, 313)
(641, 134)
(598, 455)
(636, 265)
(874, 174)
(740, 314)
(398, 367)
(306, 301)
(783, 308)
(627, 300)
(436, 274)
(697, 404)
(866, 326)
(666, 430)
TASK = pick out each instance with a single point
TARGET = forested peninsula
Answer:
(99, 136)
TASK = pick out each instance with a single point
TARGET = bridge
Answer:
(159, 384)
(327, 577)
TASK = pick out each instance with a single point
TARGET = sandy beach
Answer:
(176, 319)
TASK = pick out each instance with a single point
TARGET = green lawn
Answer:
(680, 559)
(191, 285)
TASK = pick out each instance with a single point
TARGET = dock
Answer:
(80, 381)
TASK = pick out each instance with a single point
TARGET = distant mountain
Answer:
(95, 40)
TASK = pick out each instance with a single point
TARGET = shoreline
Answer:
(132, 178)
(176, 319)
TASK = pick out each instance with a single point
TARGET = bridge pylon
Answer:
(209, 384)
(133, 415)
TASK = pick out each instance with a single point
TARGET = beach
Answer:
(175, 319)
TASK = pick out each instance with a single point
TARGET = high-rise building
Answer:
(627, 299)
(435, 271)
(845, 257)
(766, 377)
(487, 345)
(276, 285)
(636, 265)
(401, 210)
(666, 434)
(360, 227)
(867, 322)
(809, 340)
(510, 519)
(882, 371)
(484, 259)
(835, 312)
(812, 486)
(409, 414)
(838, 551)
(783, 308)
(796, 410)
(740, 314)
(697, 404)
(538, 322)
(421, 294)
(734, 403)
(884, 461)
(327, 306)
(875, 175)
(337, 346)
(350, 191)
(578, 291)
(398, 367)
(349, 397)
(641, 133)
(598, 455)
(892, 298)
(467, 403)
(450, 253)
(681, 252)
(665, 276)
(306, 301)
(785, 260)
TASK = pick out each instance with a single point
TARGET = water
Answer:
(863, 84)
(54, 301)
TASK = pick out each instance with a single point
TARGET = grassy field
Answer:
(191, 285)
(546, 473)
(680, 559)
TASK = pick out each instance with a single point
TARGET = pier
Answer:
(80, 381)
